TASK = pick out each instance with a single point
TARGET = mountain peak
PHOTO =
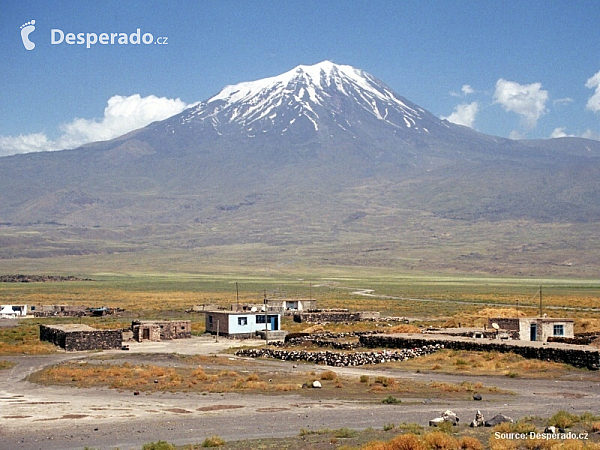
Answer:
(321, 95)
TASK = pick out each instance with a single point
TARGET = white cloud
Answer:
(527, 100)
(516, 135)
(593, 103)
(466, 89)
(562, 101)
(121, 115)
(10, 145)
(589, 134)
(560, 132)
(464, 114)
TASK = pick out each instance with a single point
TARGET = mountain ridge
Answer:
(320, 167)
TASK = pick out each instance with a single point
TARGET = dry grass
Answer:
(480, 318)
(23, 340)
(150, 378)
(486, 363)
(184, 375)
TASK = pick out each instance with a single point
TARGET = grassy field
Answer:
(425, 299)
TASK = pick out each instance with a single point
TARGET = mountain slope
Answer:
(326, 160)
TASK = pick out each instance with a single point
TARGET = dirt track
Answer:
(41, 417)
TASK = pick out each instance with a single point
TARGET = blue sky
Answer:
(521, 69)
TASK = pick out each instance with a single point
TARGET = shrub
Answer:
(406, 442)
(344, 433)
(469, 443)
(364, 378)
(390, 400)
(160, 445)
(440, 441)
(389, 426)
(213, 441)
(563, 419)
(412, 428)
(328, 375)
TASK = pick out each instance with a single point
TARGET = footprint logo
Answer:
(26, 30)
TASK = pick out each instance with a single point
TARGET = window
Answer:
(559, 330)
(242, 321)
(210, 320)
(260, 318)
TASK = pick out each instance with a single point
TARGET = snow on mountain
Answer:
(321, 92)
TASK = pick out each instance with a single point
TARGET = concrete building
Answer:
(243, 324)
(291, 305)
(12, 311)
(286, 306)
(534, 328)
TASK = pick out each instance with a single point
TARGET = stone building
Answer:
(78, 337)
(161, 330)
(59, 311)
(534, 328)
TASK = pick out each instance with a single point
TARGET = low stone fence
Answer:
(577, 357)
(339, 359)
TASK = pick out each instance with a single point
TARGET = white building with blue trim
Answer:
(242, 324)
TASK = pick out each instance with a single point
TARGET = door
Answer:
(533, 332)
(274, 323)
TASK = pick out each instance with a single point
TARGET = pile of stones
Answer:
(340, 359)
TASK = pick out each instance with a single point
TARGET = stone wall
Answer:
(335, 316)
(81, 339)
(577, 357)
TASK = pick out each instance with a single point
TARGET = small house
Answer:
(534, 328)
(160, 330)
(242, 324)
(291, 305)
(12, 311)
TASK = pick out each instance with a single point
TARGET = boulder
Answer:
(447, 416)
(498, 419)
(316, 384)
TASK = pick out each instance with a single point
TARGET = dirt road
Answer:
(42, 417)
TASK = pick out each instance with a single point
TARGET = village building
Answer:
(12, 311)
(79, 337)
(59, 311)
(161, 330)
(291, 305)
(534, 328)
(286, 306)
(244, 324)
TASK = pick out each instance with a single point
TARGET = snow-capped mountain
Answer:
(322, 163)
(322, 95)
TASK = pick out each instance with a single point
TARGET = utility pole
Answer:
(266, 331)
(237, 297)
(541, 313)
